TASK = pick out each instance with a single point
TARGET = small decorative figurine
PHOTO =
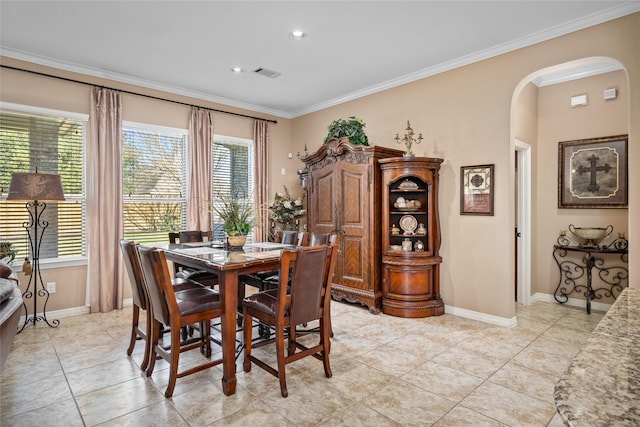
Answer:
(421, 230)
(395, 229)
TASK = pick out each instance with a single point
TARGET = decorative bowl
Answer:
(591, 236)
(407, 205)
(407, 184)
(395, 248)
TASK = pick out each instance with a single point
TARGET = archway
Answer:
(533, 246)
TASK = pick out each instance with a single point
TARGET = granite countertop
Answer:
(601, 387)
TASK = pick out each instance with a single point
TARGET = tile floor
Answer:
(387, 371)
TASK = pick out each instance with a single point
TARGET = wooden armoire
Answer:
(343, 188)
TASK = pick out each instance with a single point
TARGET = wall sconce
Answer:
(409, 140)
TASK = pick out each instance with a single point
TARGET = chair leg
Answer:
(155, 337)
(330, 325)
(147, 344)
(325, 331)
(292, 341)
(282, 376)
(205, 337)
(175, 357)
(247, 332)
(134, 328)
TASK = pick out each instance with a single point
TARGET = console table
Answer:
(606, 262)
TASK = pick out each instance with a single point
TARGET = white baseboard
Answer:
(573, 302)
(52, 315)
(483, 317)
(74, 311)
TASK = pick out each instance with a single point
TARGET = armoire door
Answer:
(354, 200)
(323, 207)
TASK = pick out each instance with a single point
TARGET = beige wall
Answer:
(39, 91)
(559, 122)
(525, 124)
(467, 116)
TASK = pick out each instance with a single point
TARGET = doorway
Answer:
(526, 247)
(523, 222)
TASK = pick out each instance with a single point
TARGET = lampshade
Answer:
(35, 186)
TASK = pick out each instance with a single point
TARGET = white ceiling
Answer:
(353, 48)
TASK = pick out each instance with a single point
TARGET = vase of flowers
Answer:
(285, 209)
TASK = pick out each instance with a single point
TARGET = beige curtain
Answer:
(104, 201)
(261, 139)
(199, 169)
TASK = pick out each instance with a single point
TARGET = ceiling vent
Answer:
(267, 73)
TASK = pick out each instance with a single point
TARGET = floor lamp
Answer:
(35, 189)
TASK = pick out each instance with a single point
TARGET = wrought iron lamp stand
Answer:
(35, 227)
(35, 188)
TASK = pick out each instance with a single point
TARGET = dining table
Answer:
(229, 265)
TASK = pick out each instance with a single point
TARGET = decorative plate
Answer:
(408, 223)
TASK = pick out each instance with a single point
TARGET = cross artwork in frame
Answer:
(476, 190)
(592, 173)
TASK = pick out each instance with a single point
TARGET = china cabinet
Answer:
(410, 237)
(343, 196)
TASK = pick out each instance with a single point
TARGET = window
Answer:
(51, 142)
(233, 173)
(154, 182)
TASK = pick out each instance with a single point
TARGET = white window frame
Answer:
(51, 263)
(249, 143)
(179, 132)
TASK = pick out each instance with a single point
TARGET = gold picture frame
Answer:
(476, 190)
(593, 173)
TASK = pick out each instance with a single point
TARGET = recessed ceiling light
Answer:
(297, 35)
(237, 70)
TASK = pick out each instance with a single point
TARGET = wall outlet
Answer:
(51, 287)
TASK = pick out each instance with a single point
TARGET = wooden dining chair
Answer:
(308, 299)
(286, 237)
(141, 299)
(177, 310)
(269, 279)
(193, 236)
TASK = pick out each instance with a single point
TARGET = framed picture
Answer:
(592, 173)
(476, 190)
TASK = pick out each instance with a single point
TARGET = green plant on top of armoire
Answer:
(352, 129)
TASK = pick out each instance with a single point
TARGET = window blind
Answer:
(50, 144)
(232, 174)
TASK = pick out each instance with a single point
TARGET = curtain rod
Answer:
(134, 93)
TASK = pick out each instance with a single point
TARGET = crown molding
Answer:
(125, 78)
(612, 13)
(578, 72)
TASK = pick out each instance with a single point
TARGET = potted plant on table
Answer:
(7, 253)
(237, 216)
